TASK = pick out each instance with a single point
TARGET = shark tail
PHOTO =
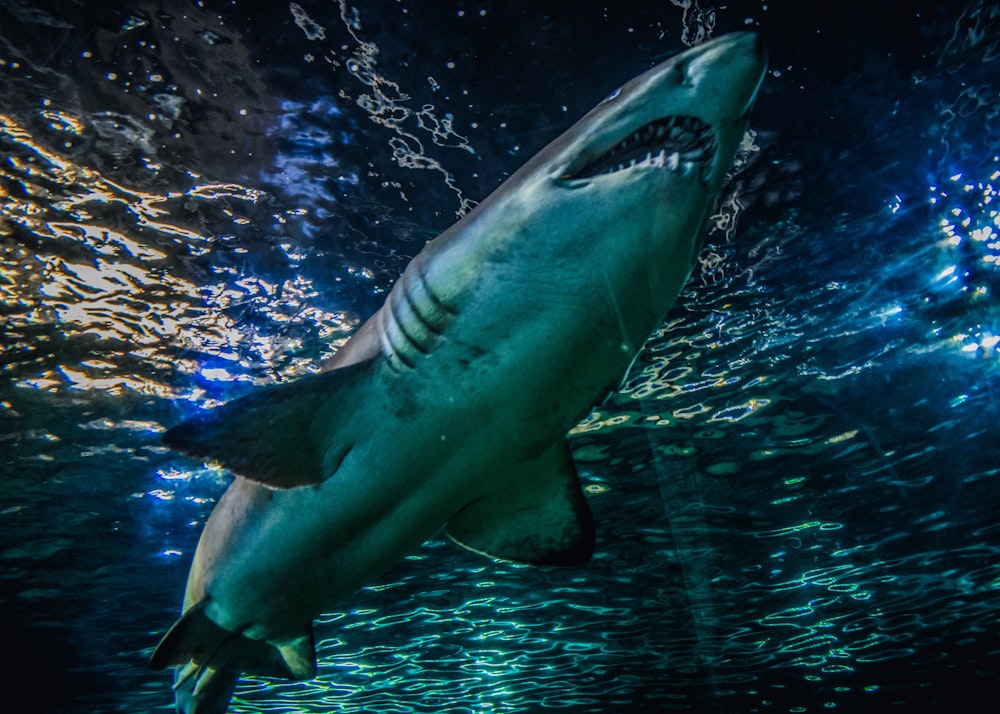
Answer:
(203, 690)
(209, 660)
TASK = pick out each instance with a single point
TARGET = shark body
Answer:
(450, 406)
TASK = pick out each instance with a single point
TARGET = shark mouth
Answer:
(677, 143)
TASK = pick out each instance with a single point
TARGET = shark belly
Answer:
(327, 540)
(460, 443)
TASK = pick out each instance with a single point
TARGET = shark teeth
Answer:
(677, 144)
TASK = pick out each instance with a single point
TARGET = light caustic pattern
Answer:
(91, 262)
(970, 255)
(387, 104)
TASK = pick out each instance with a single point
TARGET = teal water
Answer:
(796, 488)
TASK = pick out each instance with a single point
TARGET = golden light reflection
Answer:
(60, 167)
(740, 412)
(97, 287)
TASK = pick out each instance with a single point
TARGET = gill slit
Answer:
(392, 357)
(400, 324)
(414, 306)
(425, 285)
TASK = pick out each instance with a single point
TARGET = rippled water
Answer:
(796, 489)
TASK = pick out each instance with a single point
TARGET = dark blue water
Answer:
(796, 489)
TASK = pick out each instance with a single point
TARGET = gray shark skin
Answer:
(450, 406)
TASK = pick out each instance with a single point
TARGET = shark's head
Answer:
(645, 166)
(684, 117)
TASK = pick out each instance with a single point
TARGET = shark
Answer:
(450, 406)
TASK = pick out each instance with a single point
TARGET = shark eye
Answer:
(614, 95)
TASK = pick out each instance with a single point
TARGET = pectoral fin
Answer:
(279, 436)
(540, 516)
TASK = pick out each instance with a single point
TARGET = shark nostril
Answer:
(759, 46)
(682, 75)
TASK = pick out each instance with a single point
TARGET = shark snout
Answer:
(726, 74)
(686, 113)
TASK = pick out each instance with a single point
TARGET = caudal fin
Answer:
(211, 658)
(200, 690)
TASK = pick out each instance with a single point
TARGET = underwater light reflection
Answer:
(91, 266)
(970, 249)
(491, 650)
